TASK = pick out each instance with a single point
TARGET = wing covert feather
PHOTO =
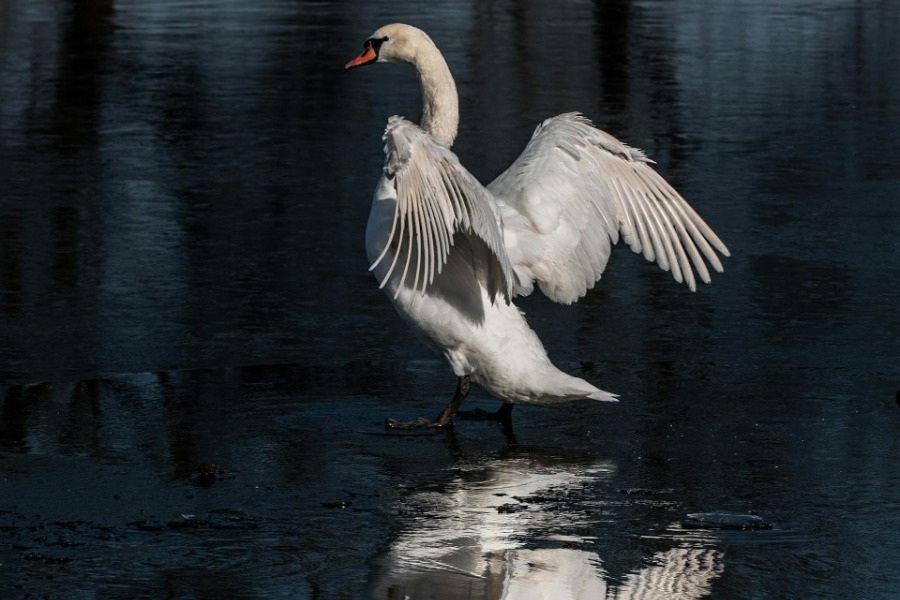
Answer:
(436, 198)
(573, 192)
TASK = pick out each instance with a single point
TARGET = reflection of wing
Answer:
(682, 573)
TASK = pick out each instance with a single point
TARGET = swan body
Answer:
(451, 253)
(479, 334)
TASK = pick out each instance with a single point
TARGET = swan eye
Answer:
(376, 42)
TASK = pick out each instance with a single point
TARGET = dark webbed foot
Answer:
(443, 420)
(419, 423)
(501, 415)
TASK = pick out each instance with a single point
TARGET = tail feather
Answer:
(594, 393)
(579, 389)
(604, 396)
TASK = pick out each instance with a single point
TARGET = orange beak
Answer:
(368, 55)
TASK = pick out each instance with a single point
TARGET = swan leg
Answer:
(445, 419)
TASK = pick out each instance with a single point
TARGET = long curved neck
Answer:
(440, 104)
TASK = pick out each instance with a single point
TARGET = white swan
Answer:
(451, 253)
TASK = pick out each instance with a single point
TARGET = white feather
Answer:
(593, 188)
(445, 247)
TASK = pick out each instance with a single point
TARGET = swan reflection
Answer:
(681, 573)
(517, 529)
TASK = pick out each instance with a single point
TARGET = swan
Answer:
(451, 254)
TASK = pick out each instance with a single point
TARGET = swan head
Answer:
(399, 43)
(392, 44)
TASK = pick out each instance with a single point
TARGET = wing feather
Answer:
(436, 198)
(400, 238)
(390, 236)
(434, 239)
(415, 209)
(702, 234)
(574, 191)
(409, 253)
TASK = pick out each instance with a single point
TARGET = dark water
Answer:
(195, 363)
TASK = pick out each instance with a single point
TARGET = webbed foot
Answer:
(443, 420)
(501, 415)
(419, 423)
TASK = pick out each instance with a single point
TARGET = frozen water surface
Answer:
(195, 363)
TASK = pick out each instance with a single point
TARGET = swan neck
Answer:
(440, 104)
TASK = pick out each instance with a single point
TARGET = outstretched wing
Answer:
(570, 195)
(436, 199)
